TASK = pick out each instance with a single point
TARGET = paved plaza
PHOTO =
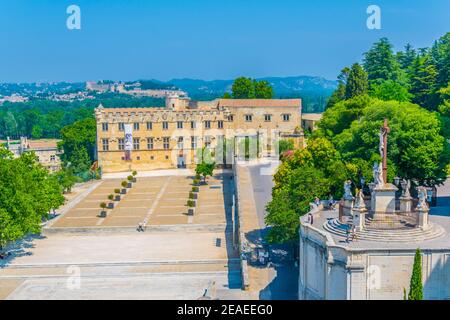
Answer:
(114, 261)
(159, 200)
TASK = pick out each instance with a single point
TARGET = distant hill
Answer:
(313, 90)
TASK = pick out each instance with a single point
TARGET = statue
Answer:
(406, 185)
(348, 190)
(378, 174)
(422, 194)
(360, 204)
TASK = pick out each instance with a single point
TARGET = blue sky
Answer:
(206, 39)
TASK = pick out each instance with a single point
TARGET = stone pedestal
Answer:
(348, 206)
(383, 199)
(423, 218)
(406, 204)
(359, 218)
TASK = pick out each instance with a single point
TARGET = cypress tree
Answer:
(415, 287)
(357, 83)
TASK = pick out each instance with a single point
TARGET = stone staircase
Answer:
(372, 233)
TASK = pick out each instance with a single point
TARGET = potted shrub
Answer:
(194, 189)
(193, 195)
(130, 180)
(111, 197)
(111, 204)
(196, 182)
(117, 192)
(103, 213)
(124, 186)
(197, 176)
(191, 207)
(134, 173)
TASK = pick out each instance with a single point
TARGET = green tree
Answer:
(263, 89)
(390, 90)
(416, 286)
(248, 88)
(339, 93)
(27, 193)
(357, 84)
(78, 143)
(381, 64)
(36, 132)
(406, 58)
(423, 82)
(243, 88)
(417, 150)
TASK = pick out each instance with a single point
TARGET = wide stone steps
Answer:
(334, 226)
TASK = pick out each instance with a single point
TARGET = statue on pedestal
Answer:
(406, 185)
(360, 204)
(422, 194)
(378, 174)
(348, 190)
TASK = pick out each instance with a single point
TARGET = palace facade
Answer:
(171, 136)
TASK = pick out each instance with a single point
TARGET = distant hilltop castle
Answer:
(132, 89)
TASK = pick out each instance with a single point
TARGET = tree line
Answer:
(41, 118)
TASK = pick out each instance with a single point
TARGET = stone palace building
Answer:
(171, 136)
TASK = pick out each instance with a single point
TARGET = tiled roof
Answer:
(42, 144)
(260, 102)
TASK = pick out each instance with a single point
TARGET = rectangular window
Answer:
(231, 118)
(121, 126)
(267, 117)
(248, 118)
(220, 124)
(150, 143)
(52, 157)
(207, 141)
(121, 144)
(166, 143)
(180, 143)
(165, 125)
(286, 117)
(104, 127)
(179, 124)
(207, 124)
(149, 125)
(193, 125)
(136, 126)
(136, 144)
(193, 142)
(105, 144)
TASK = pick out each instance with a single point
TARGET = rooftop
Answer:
(260, 102)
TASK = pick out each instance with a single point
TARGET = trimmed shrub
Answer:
(111, 197)
(194, 189)
(196, 181)
(117, 191)
(134, 173)
(191, 195)
(191, 203)
(130, 178)
(103, 205)
(124, 184)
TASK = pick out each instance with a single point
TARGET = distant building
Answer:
(45, 149)
(310, 120)
(171, 136)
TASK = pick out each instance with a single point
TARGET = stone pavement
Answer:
(161, 200)
(259, 277)
(172, 263)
